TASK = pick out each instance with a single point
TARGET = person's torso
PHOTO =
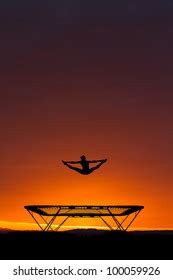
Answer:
(85, 164)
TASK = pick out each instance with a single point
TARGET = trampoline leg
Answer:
(46, 222)
(124, 219)
(119, 225)
(133, 219)
(36, 220)
(109, 226)
(51, 221)
(62, 223)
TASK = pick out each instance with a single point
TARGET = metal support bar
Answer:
(62, 223)
(52, 220)
(125, 219)
(46, 222)
(109, 226)
(133, 219)
(119, 225)
(35, 220)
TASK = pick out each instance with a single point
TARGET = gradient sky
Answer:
(79, 77)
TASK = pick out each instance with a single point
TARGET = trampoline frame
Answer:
(94, 211)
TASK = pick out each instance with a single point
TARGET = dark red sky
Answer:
(83, 78)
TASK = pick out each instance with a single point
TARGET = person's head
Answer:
(83, 157)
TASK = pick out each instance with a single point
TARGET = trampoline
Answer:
(119, 214)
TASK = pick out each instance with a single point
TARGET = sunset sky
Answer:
(93, 78)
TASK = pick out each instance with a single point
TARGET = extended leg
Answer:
(73, 168)
(97, 166)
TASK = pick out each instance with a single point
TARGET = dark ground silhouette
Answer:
(86, 244)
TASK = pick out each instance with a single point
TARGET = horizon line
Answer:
(32, 226)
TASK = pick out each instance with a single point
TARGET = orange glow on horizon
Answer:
(6, 225)
(90, 191)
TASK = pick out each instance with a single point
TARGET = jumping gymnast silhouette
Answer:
(85, 170)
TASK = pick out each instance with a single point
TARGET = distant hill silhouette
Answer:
(2, 230)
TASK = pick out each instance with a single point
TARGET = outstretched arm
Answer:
(73, 162)
(100, 160)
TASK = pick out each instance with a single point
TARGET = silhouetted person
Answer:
(85, 170)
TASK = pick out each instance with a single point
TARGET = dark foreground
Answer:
(86, 244)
